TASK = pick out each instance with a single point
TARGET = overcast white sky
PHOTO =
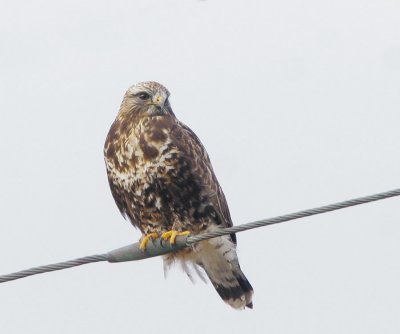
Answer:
(297, 103)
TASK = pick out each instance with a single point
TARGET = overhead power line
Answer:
(160, 247)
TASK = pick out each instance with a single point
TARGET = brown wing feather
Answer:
(190, 146)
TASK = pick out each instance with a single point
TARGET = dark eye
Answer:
(143, 96)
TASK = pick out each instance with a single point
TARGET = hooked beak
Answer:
(158, 101)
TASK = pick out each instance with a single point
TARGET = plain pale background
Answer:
(297, 103)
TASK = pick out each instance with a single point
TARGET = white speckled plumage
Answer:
(161, 178)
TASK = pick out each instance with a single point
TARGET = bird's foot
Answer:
(145, 239)
(171, 235)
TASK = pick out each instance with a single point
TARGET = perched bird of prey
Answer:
(162, 181)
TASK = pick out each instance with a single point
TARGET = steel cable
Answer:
(159, 247)
(53, 267)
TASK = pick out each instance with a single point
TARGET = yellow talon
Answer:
(145, 239)
(171, 235)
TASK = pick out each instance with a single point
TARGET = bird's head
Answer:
(146, 99)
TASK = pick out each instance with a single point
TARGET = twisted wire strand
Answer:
(53, 267)
(296, 215)
(133, 252)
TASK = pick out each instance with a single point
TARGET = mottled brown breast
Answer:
(161, 177)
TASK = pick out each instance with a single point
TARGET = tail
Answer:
(219, 260)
